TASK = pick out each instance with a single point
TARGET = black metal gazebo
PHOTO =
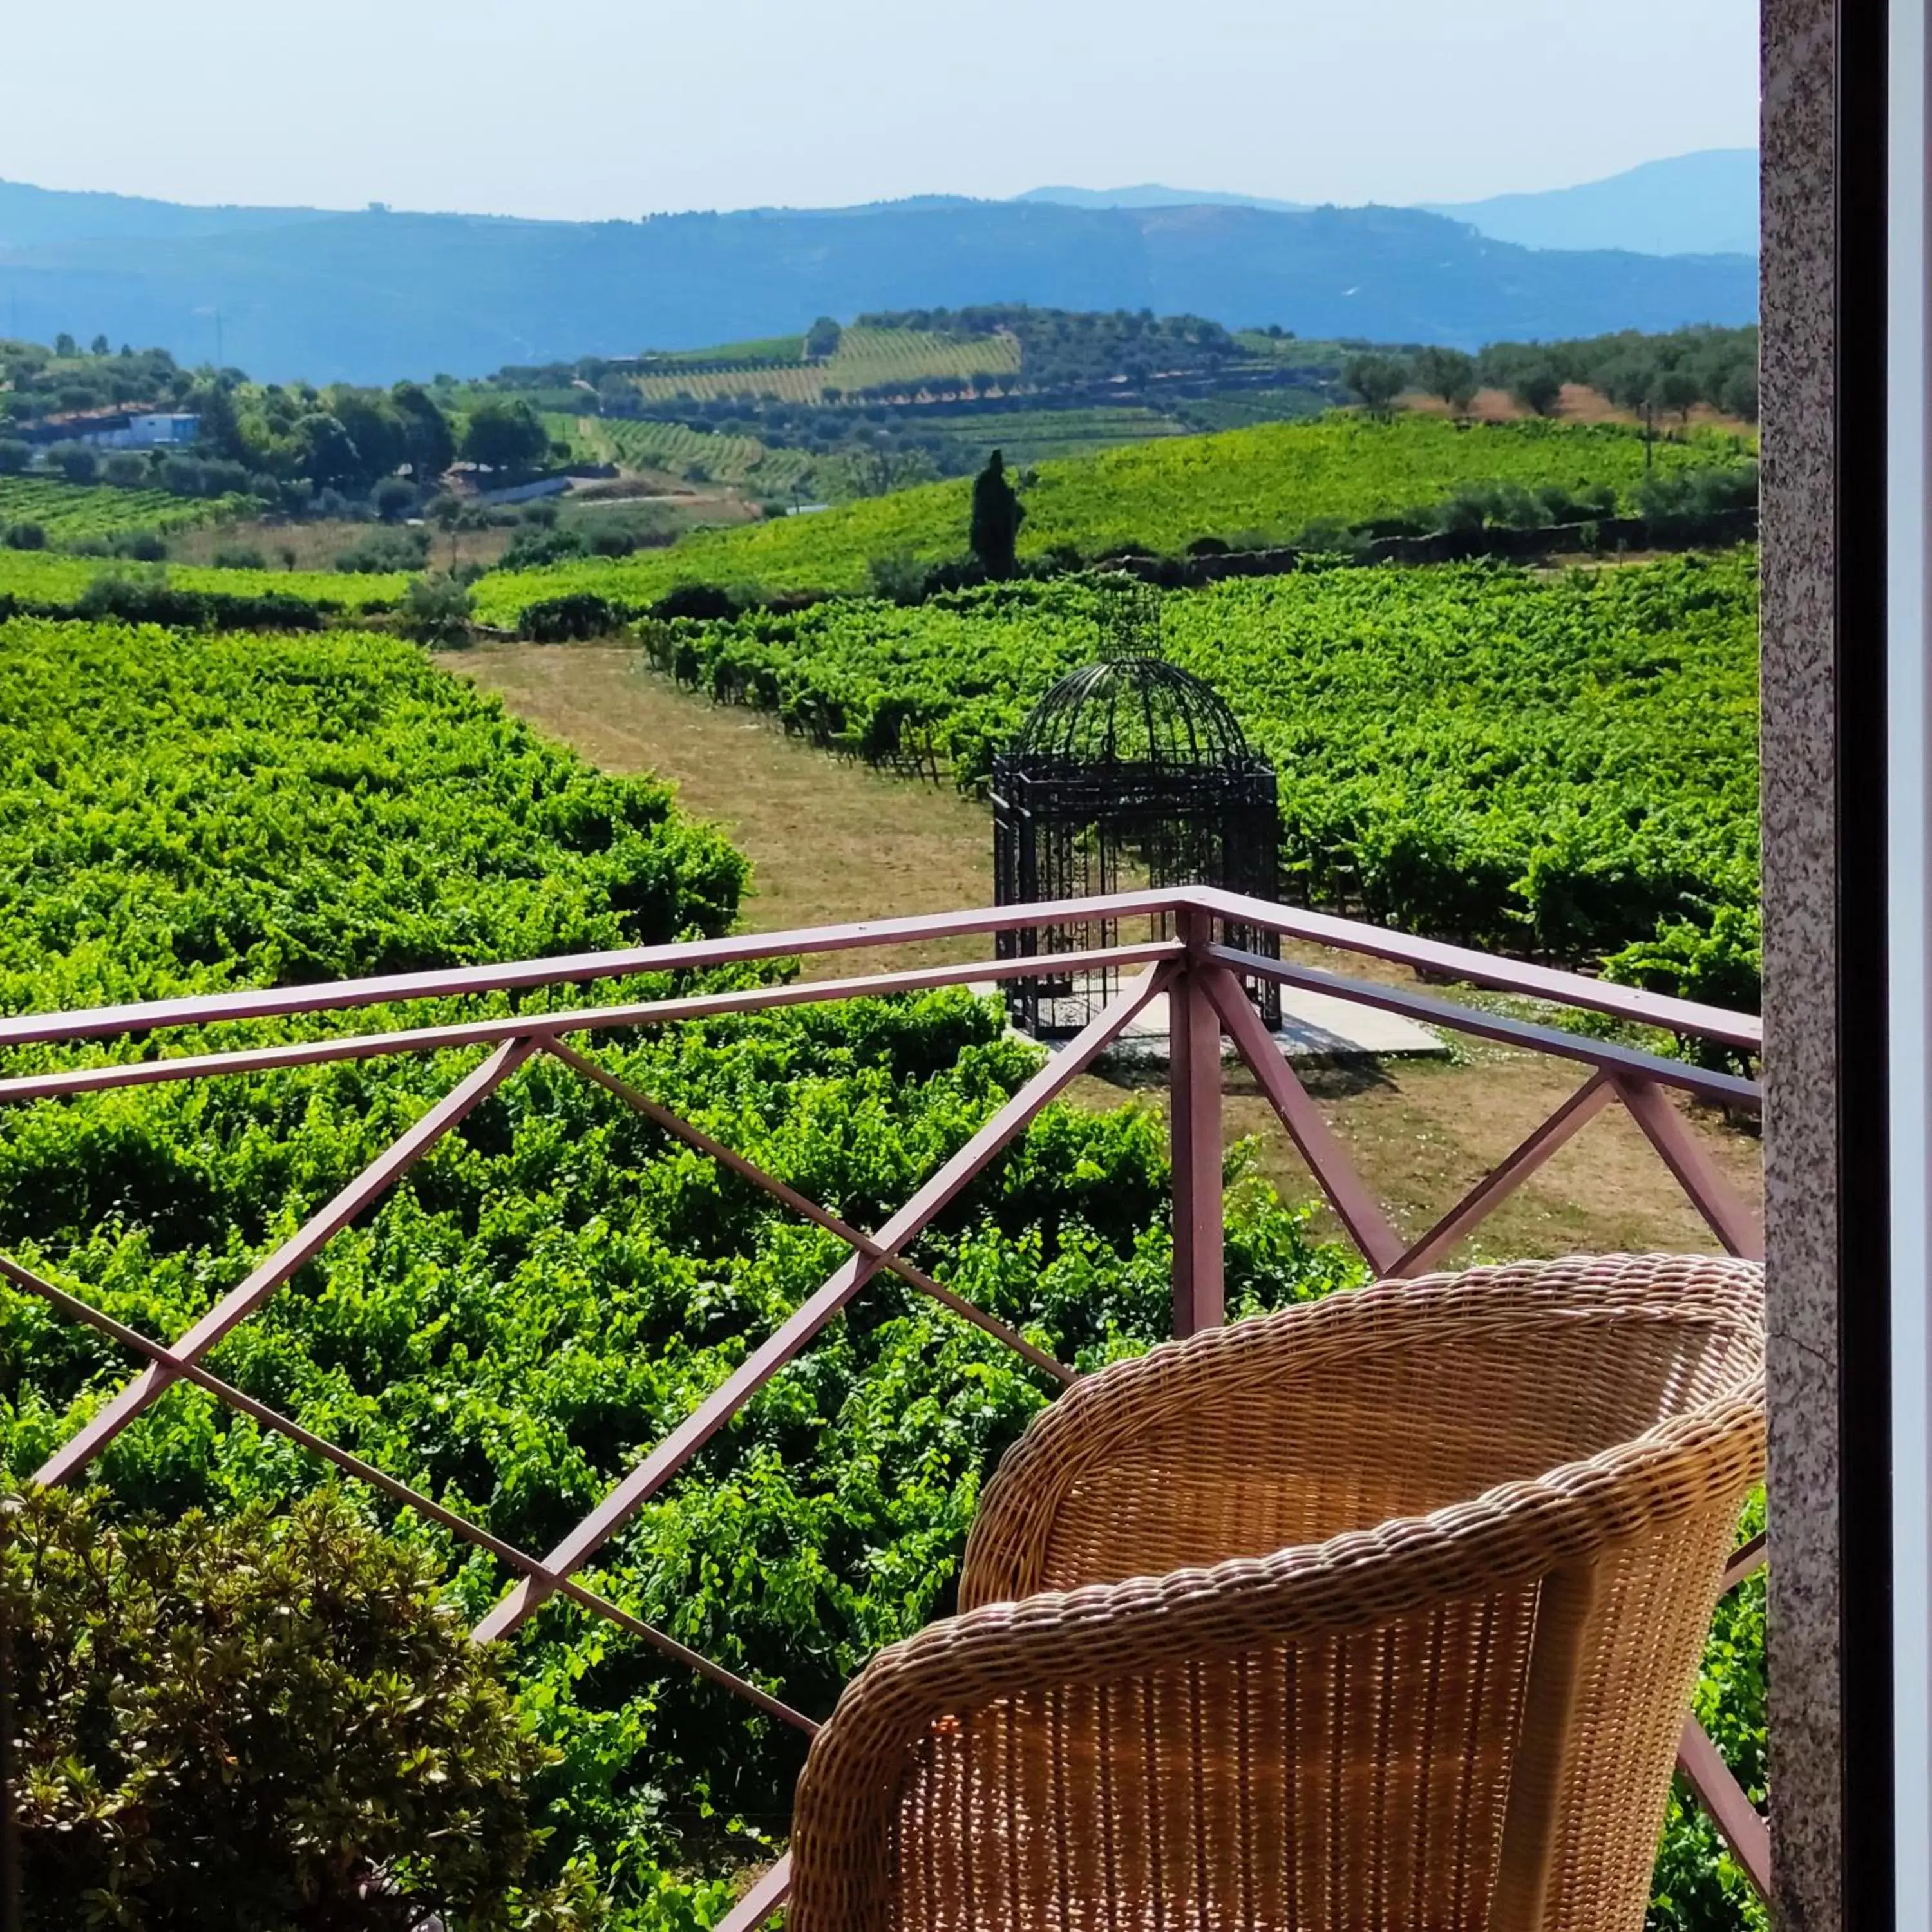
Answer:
(1131, 772)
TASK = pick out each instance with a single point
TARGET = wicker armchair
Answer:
(1381, 1613)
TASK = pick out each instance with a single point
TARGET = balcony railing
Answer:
(1183, 958)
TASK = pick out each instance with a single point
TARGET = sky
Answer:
(602, 109)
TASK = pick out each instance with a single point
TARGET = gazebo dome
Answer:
(1130, 772)
(1137, 711)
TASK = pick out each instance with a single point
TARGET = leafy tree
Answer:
(822, 338)
(505, 435)
(1679, 389)
(219, 429)
(124, 470)
(99, 347)
(1538, 387)
(14, 456)
(1377, 379)
(327, 452)
(254, 1723)
(1630, 381)
(78, 462)
(1449, 373)
(392, 498)
(374, 428)
(617, 395)
(26, 536)
(65, 346)
(997, 513)
(429, 444)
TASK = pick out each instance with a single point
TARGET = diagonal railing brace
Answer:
(1368, 1227)
(181, 1368)
(1714, 1197)
(314, 1234)
(695, 1136)
(730, 1395)
(1509, 1174)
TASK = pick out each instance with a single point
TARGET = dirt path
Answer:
(831, 842)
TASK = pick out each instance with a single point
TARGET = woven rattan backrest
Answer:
(1398, 1400)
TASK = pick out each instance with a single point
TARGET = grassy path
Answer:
(831, 842)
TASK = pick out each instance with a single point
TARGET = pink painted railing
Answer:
(1183, 958)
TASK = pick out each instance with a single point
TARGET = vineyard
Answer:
(557, 1284)
(73, 512)
(1564, 764)
(40, 577)
(670, 446)
(1267, 484)
(866, 358)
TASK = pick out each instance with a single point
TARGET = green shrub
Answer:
(258, 1723)
(558, 620)
(539, 545)
(153, 600)
(899, 578)
(436, 611)
(385, 551)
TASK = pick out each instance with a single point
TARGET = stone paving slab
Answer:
(1314, 1026)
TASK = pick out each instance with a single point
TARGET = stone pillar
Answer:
(1801, 1153)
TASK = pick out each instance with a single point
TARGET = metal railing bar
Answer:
(1735, 1816)
(585, 1019)
(1745, 1562)
(1368, 1227)
(1509, 1174)
(1748, 1559)
(1711, 1194)
(1482, 969)
(1604, 1053)
(671, 1454)
(768, 1892)
(801, 1204)
(180, 1367)
(685, 956)
(1345, 935)
(267, 1276)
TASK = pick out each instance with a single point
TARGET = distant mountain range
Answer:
(1700, 204)
(1151, 194)
(373, 296)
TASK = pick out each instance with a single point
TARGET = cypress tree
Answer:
(998, 514)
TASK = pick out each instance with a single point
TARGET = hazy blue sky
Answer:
(617, 107)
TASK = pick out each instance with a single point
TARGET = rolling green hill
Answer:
(1267, 484)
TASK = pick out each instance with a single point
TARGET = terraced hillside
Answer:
(682, 450)
(73, 512)
(865, 359)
